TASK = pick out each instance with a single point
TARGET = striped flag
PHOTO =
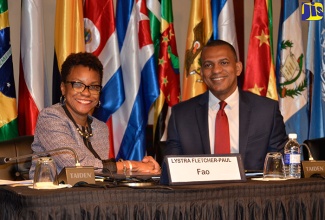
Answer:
(223, 22)
(69, 38)
(198, 33)
(32, 66)
(139, 76)
(161, 20)
(101, 40)
(290, 70)
(316, 68)
(8, 107)
(260, 74)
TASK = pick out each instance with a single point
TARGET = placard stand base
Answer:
(313, 167)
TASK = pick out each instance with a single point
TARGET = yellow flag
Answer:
(198, 34)
(69, 29)
(69, 37)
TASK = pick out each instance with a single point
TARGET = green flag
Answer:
(8, 106)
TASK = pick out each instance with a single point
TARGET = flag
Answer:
(168, 66)
(8, 107)
(316, 68)
(290, 72)
(139, 78)
(260, 74)
(68, 38)
(154, 14)
(101, 40)
(32, 72)
(223, 22)
(198, 33)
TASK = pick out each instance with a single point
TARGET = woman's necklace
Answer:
(85, 132)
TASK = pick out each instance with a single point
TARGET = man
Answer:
(255, 123)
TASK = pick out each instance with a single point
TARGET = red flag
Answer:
(260, 75)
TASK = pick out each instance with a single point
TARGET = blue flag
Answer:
(315, 65)
(290, 70)
(139, 76)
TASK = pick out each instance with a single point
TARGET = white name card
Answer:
(198, 169)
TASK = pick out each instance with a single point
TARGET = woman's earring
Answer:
(98, 104)
(62, 99)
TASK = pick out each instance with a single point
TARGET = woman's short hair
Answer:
(83, 59)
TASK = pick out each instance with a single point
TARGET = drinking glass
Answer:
(274, 166)
(45, 176)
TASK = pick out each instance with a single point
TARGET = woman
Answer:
(69, 123)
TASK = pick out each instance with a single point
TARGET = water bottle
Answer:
(292, 158)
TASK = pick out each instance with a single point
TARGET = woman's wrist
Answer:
(130, 165)
(125, 165)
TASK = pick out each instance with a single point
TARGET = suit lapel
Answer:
(244, 122)
(201, 112)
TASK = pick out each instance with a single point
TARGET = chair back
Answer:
(19, 169)
(317, 148)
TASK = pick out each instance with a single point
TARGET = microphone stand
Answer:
(312, 168)
(68, 175)
(4, 160)
(311, 158)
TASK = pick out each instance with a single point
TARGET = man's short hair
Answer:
(213, 43)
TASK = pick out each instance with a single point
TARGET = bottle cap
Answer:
(293, 136)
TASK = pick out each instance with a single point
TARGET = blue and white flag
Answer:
(223, 22)
(315, 65)
(139, 76)
(290, 70)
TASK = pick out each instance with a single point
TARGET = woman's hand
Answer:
(148, 164)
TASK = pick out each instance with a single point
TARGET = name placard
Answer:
(199, 169)
(72, 175)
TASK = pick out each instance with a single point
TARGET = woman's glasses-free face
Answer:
(80, 87)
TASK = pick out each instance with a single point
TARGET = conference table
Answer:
(289, 199)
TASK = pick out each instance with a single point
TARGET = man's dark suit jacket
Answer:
(261, 128)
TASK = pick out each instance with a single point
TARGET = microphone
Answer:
(4, 160)
(68, 175)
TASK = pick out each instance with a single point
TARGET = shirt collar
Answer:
(231, 100)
